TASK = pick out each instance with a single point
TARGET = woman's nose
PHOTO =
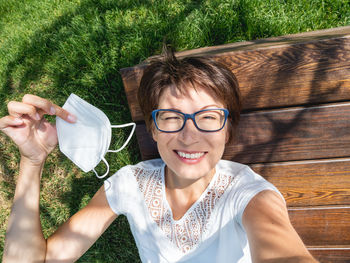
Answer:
(189, 134)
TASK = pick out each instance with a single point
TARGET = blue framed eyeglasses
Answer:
(208, 120)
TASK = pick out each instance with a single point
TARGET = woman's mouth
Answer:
(190, 156)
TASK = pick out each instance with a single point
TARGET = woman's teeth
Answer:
(190, 155)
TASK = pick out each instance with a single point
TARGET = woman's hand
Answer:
(30, 131)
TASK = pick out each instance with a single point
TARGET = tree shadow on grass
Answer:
(35, 57)
(36, 53)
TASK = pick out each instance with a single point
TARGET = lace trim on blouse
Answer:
(187, 232)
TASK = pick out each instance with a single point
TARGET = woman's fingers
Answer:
(36, 107)
(40, 103)
(10, 121)
(63, 114)
(17, 109)
(48, 107)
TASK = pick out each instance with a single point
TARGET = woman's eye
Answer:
(209, 117)
(169, 116)
(172, 118)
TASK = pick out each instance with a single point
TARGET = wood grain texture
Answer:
(322, 226)
(310, 183)
(331, 255)
(131, 79)
(298, 74)
(292, 134)
(309, 72)
(146, 143)
(281, 135)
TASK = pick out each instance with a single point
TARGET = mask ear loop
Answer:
(121, 148)
(129, 138)
(104, 175)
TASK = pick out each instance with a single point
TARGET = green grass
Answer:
(53, 48)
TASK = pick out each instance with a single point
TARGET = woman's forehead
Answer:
(173, 96)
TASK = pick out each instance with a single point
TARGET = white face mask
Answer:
(86, 141)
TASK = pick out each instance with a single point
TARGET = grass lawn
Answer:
(53, 48)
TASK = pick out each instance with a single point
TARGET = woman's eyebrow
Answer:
(211, 106)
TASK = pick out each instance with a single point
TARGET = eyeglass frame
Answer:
(189, 116)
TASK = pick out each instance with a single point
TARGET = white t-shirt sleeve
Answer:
(248, 185)
(116, 190)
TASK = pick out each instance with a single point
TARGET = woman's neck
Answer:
(182, 193)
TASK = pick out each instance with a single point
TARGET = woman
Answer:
(188, 206)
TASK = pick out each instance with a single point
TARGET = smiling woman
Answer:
(200, 202)
(187, 206)
(177, 149)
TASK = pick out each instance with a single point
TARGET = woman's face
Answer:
(190, 154)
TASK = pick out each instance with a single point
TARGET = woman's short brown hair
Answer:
(189, 72)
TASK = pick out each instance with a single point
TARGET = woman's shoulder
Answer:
(144, 167)
(232, 168)
(123, 187)
(245, 181)
(246, 185)
(243, 175)
(153, 164)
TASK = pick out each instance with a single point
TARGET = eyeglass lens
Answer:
(208, 120)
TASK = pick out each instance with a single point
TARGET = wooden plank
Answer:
(282, 135)
(292, 134)
(268, 42)
(147, 145)
(131, 79)
(322, 226)
(299, 74)
(314, 72)
(310, 183)
(331, 255)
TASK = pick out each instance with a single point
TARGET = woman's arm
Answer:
(271, 236)
(36, 138)
(76, 236)
(24, 240)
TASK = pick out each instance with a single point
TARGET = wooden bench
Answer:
(294, 129)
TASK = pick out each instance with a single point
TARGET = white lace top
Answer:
(210, 231)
